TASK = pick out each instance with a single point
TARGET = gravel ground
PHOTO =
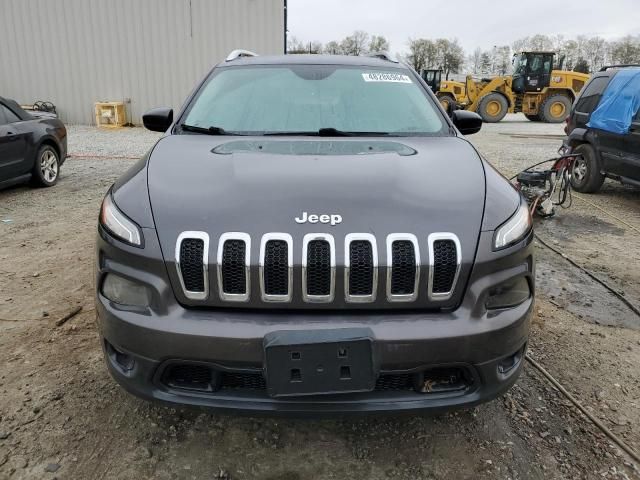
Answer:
(61, 415)
(87, 141)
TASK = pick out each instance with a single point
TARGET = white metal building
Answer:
(77, 52)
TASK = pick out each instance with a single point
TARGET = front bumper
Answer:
(469, 339)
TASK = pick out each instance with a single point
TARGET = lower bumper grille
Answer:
(206, 379)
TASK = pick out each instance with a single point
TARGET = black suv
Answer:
(604, 127)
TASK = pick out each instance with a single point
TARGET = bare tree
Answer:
(356, 43)
(502, 60)
(450, 56)
(557, 42)
(521, 45)
(540, 43)
(626, 50)
(594, 52)
(571, 53)
(485, 63)
(475, 60)
(332, 48)
(378, 43)
(418, 52)
(315, 47)
(295, 46)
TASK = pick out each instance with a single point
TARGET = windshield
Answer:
(309, 98)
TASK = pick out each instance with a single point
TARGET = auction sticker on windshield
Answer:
(386, 77)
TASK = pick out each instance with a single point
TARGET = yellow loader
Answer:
(536, 89)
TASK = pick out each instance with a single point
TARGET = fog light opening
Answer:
(442, 380)
(123, 360)
(193, 377)
(509, 363)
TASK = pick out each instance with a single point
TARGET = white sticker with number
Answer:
(386, 77)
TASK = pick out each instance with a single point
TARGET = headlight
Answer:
(125, 292)
(508, 294)
(514, 229)
(117, 224)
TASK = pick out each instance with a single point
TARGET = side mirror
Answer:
(158, 119)
(467, 122)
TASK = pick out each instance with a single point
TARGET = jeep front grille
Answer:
(444, 265)
(361, 267)
(318, 268)
(192, 259)
(276, 267)
(233, 266)
(403, 274)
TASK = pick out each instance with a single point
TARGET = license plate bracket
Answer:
(319, 362)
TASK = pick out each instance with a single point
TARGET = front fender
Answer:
(577, 136)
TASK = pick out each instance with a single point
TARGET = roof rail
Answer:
(382, 56)
(607, 67)
(238, 54)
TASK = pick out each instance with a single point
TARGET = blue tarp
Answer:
(619, 103)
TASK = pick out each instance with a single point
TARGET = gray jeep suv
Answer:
(314, 235)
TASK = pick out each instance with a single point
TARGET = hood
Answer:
(42, 114)
(412, 185)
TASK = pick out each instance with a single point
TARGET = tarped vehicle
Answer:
(604, 129)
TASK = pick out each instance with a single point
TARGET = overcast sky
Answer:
(475, 23)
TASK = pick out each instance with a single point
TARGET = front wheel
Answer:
(447, 102)
(47, 167)
(585, 172)
(555, 108)
(493, 107)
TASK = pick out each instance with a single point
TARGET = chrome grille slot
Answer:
(276, 267)
(361, 267)
(444, 265)
(403, 267)
(233, 266)
(318, 268)
(192, 258)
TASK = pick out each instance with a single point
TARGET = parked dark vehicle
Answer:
(609, 146)
(33, 146)
(313, 234)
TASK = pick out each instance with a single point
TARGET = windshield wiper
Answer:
(206, 130)
(330, 132)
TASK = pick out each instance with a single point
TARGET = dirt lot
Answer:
(61, 415)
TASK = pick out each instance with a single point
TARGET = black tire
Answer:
(493, 107)
(585, 173)
(554, 109)
(46, 168)
(447, 102)
(533, 118)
